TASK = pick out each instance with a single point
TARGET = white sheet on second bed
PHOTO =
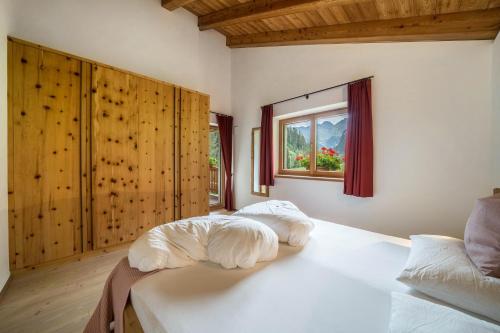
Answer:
(341, 281)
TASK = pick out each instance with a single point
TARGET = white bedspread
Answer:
(341, 281)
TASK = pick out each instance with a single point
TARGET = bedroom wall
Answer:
(496, 111)
(137, 35)
(432, 107)
(4, 242)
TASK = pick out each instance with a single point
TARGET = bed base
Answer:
(131, 323)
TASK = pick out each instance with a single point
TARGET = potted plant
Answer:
(213, 162)
(327, 159)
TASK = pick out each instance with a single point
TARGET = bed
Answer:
(341, 281)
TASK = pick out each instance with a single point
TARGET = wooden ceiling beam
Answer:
(481, 24)
(261, 9)
(174, 4)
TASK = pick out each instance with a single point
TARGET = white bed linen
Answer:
(439, 267)
(415, 315)
(290, 224)
(232, 241)
(341, 281)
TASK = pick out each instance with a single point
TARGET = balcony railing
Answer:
(214, 180)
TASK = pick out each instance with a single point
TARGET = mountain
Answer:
(328, 135)
(340, 147)
(332, 136)
(305, 131)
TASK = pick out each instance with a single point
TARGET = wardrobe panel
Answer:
(204, 131)
(115, 156)
(194, 129)
(132, 148)
(44, 155)
(156, 154)
(86, 167)
(164, 155)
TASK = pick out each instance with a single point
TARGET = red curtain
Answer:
(358, 175)
(226, 139)
(266, 168)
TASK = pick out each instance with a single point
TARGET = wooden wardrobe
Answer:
(97, 155)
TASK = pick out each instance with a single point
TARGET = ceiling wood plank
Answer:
(261, 9)
(480, 24)
(174, 4)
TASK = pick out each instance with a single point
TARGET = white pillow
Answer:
(242, 243)
(415, 315)
(439, 267)
(291, 225)
(229, 240)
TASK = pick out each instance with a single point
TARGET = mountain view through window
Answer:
(329, 142)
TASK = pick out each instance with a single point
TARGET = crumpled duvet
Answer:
(288, 221)
(231, 241)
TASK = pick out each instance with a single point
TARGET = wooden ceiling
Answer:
(293, 22)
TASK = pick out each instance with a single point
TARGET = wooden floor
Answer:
(56, 299)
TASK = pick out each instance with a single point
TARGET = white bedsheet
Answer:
(416, 315)
(341, 281)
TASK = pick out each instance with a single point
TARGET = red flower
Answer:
(323, 148)
(332, 151)
(343, 158)
(299, 157)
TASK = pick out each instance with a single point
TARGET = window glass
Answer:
(297, 143)
(313, 145)
(214, 163)
(330, 142)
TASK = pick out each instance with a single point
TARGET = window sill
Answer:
(328, 179)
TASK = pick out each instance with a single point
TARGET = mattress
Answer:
(341, 281)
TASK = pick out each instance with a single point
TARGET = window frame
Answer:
(312, 172)
(264, 188)
(222, 172)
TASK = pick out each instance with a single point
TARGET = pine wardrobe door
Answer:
(193, 173)
(44, 155)
(155, 153)
(115, 156)
(132, 155)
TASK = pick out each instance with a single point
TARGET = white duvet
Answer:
(231, 241)
(289, 222)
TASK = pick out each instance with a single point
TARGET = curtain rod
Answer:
(219, 114)
(318, 91)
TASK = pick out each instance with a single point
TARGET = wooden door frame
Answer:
(222, 171)
(252, 170)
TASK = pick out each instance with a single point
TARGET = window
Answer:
(216, 170)
(319, 138)
(257, 189)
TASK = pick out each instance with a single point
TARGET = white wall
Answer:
(4, 241)
(432, 107)
(496, 111)
(137, 35)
